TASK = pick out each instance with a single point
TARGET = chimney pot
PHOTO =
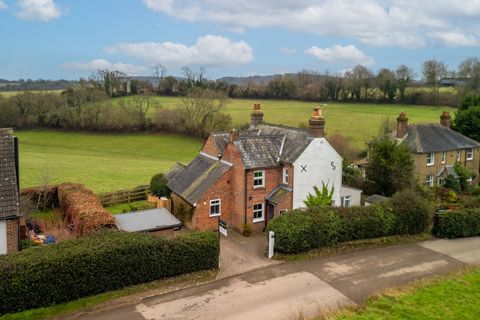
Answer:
(317, 123)
(233, 135)
(402, 124)
(445, 119)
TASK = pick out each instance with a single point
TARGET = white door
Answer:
(3, 237)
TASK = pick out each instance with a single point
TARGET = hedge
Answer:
(48, 275)
(302, 230)
(459, 223)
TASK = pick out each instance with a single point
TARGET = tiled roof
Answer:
(190, 182)
(423, 138)
(376, 198)
(260, 151)
(9, 201)
(278, 193)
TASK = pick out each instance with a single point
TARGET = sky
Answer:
(53, 39)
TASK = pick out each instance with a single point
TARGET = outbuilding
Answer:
(158, 221)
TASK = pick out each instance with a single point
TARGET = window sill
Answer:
(430, 164)
(469, 159)
(215, 215)
(258, 220)
(259, 188)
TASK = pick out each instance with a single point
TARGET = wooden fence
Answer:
(124, 196)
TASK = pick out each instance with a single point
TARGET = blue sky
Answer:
(54, 39)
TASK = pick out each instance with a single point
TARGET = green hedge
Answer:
(54, 274)
(302, 230)
(454, 224)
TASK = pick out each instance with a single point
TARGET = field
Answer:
(103, 162)
(453, 297)
(358, 122)
(13, 93)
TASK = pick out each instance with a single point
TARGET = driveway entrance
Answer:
(239, 254)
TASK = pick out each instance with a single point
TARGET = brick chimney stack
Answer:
(317, 123)
(256, 116)
(233, 135)
(445, 119)
(402, 124)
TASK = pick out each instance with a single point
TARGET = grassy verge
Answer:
(129, 207)
(357, 245)
(130, 294)
(456, 296)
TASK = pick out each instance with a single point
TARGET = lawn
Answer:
(453, 297)
(103, 162)
(358, 122)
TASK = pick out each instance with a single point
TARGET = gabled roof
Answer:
(190, 182)
(376, 198)
(278, 193)
(260, 151)
(423, 138)
(448, 170)
(9, 200)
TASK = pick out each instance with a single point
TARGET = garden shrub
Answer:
(366, 222)
(471, 202)
(48, 275)
(293, 232)
(458, 223)
(326, 226)
(158, 185)
(413, 214)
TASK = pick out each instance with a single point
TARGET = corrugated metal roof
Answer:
(423, 138)
(190, 182)
(9, 200)
(147, 220)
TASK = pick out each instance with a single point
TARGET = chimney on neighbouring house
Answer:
(256, 116)
(233, 135)
(445, 119)
(317, 123)
(402, 124)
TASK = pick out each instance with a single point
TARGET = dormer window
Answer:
(430, 158)
(285, 176)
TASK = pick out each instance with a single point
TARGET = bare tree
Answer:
(159, 72)
(470, 70)
(143, 104)
(433, 72)
(404, 76)
(111, 81)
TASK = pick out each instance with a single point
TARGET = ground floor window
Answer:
(429, 181)
(215, 209)
(441, 181)
(346, 201)
(283, 211)
(258, 212)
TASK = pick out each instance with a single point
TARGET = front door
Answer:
(270, 211)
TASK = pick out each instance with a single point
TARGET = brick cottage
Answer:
(250, 176)
(9, 199)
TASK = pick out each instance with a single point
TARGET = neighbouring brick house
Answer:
(250, 176)
(435, 148)
(9, 193)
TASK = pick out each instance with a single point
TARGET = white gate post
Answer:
(271, 244)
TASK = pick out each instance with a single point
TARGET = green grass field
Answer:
(14, 93)
(452, 297)
(103, 162)
(358, 122)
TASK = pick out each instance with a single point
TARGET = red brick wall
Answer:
(12, 235)
(209, 147)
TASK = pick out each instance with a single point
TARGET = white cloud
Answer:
(455, 39)
(286, 50)
(350, 55)
(101, 64)
(42, 10)
(207, 51)
(3, 5)
(404, 23)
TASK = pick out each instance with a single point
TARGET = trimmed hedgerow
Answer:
(455, 224)
(54, 274)
(293, 232)
(413, 213)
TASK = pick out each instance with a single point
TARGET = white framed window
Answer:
(258, 215)
(444, 157)
(259, 179)
(215, 208)
(441, 181)
(429, 181)
(470, 154)
(458, 155)
(282, 211)
(285, 175)
(346, 201)
(430, 158)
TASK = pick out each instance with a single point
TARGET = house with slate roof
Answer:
(435, 148)
(9, 193)
(250, 176)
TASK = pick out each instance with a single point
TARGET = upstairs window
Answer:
(444, 157)
(259, 179)
(470, 154)
(215, 209)
(285, 175)
(458, 155)
(430, 158)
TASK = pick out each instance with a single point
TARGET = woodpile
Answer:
(82, 209)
